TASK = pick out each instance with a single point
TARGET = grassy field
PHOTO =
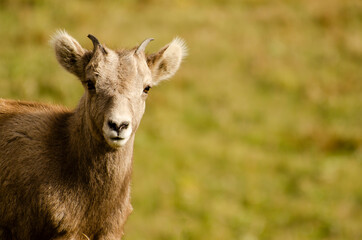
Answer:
(258, 136)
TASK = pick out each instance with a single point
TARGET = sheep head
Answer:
(116, 83)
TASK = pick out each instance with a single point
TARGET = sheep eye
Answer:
(146, 89)
(90, 85)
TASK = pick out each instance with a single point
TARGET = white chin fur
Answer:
(117, 143)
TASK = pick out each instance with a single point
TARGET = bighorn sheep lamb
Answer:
(66, 174)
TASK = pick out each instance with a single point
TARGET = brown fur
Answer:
(60, 177)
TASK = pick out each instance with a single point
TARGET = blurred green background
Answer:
(259, 134)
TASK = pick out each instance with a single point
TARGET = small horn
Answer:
(143, 45)
(96, 43)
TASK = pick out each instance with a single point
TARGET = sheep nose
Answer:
(118, 127)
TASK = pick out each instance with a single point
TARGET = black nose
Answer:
(114, 126)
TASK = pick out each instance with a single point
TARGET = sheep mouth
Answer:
(117, 138)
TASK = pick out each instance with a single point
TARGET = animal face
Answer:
(116, 83)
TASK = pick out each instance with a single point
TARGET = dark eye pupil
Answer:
(90, 85)
(146, 89)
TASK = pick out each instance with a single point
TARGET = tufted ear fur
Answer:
(165, 63)
(69, 53)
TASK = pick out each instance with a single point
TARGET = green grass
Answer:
(258, 136)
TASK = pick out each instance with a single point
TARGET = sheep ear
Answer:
(69, 52)
(165, 63)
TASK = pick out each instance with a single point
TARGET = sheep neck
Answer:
(91, 158)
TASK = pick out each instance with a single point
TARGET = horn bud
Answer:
(143, 45)
(96, 44)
